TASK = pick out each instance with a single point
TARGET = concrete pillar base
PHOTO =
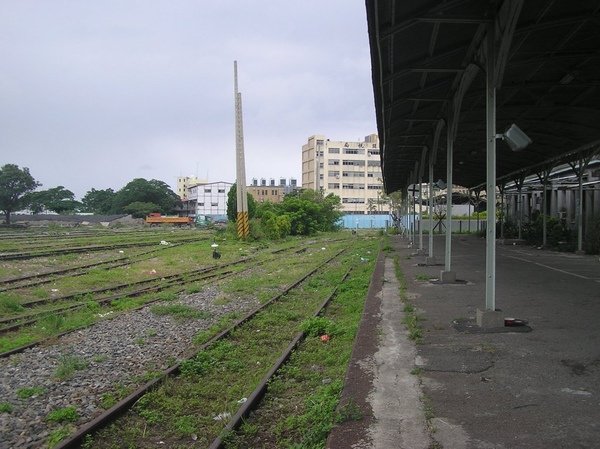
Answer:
(490, 318)
(447, 277)
(430, 260)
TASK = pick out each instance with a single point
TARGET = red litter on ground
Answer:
(514, 322)
(325, 338)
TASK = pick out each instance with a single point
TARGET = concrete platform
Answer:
(511, 389)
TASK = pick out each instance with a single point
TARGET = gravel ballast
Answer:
(113, 354)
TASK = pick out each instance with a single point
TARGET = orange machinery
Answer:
(156, 218)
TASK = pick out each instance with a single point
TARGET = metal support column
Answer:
(413, 213)
(449, 148)
(579, 209)
(490, 103)
(544, 211)
(502, 210)
(420, 216)
(519, 208)
(430, 208)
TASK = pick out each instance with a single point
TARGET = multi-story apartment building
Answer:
(348, 169)
(271, 192)
(184, 183)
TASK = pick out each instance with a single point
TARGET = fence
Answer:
(458, 225)
(382, 221)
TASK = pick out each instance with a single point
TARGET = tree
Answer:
(139, 209)
(98, 201)
(15, 184)
(144, 191)
(302, 213)
(232, 204)
(57, 199)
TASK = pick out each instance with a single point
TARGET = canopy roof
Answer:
(428, 61)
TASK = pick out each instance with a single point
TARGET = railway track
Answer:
(49, 241)
(175, 283)
(89, 248)
(34, 280)
(77, 438)
(142, 287)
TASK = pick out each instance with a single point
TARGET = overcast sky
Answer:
(97, 93)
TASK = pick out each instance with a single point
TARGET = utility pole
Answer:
(243, 227)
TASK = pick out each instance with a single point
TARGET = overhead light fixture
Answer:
(516, 139)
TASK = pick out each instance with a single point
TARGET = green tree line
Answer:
(139, 197)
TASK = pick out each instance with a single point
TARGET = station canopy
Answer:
(428, 63)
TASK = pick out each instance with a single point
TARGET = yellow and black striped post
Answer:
(243, 226)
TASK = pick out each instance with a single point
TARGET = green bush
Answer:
(591, 243)
(556, 231)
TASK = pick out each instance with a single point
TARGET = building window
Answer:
(353, 174)
(333, 185)
(221, 190)
(207, 190)
(334, 151)
(214, 204)
(201, 204)
(333, 162)
(353, 200)
(374, 187)
(334, 174)
(353, 151)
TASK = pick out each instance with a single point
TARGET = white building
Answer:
(348, 169)
(208, 199)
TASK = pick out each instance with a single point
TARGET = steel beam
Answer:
(490, 251)
(449, 151)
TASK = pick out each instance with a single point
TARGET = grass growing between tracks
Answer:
(53, 324)
(193, 408)
(300, 407)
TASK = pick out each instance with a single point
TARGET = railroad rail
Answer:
(88, 248)
(50, 276)
(75, 439)
(14, 323)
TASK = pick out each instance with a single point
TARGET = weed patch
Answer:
(29, 392)
(67, 366)
(348, 412)
(57, 435)
(10, 303)
(5, 407)
(65, 414)
(317, 326)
